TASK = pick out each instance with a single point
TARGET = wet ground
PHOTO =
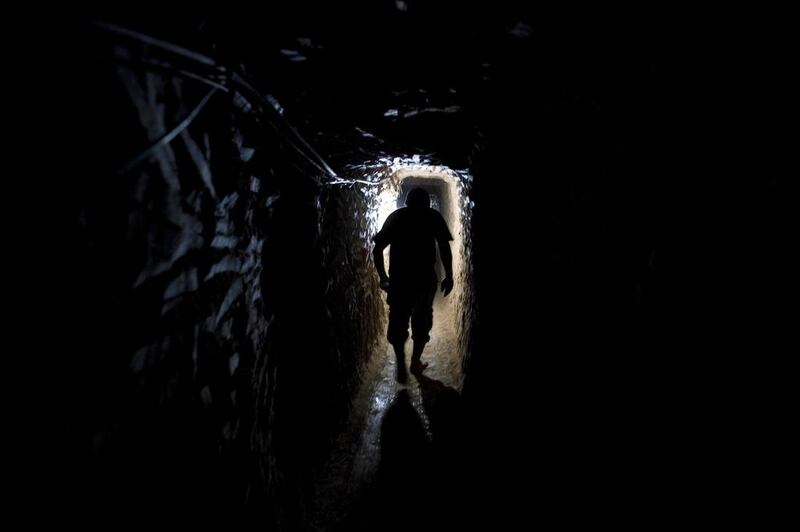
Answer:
(400, 445)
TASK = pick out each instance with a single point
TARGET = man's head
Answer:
(418, 198)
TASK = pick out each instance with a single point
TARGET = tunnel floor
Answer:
(414, 417)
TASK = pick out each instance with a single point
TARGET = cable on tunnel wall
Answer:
(166, 68)
(229, 77)
(159, 43)
(169, 136)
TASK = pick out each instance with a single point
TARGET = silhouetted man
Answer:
(412, 233)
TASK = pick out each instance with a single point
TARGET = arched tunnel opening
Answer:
(207, 322)
(448, 190)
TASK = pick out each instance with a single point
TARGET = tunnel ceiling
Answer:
(366, 77)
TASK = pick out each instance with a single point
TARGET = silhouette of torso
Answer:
(412, 233)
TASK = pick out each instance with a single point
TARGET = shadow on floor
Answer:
(419, 480)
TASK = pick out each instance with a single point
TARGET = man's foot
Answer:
(417, 366)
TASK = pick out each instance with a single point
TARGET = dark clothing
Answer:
(412, 234)
(410, 300)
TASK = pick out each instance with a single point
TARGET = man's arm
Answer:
(377, 258)
(382, 239)
(447, 262)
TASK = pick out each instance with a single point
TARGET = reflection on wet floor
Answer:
(397, 443)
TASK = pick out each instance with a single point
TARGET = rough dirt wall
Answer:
(209, 295)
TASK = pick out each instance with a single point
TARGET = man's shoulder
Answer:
(436, 215)
(440, 226)
(406, 215)
(395, 216)
(390, 224)
(433, 216)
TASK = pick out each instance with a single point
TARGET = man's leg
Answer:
(399, 313)
(417, 365)
(421, 324)
(400, 355)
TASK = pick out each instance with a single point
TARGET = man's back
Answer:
(412, 233)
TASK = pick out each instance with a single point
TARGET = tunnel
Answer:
(208, 331)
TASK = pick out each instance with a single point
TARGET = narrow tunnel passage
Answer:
(368, 453)
(209, 331)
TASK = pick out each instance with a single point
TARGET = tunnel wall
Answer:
(464, 293)
(586, 373)
(208, 297)
(353, 295)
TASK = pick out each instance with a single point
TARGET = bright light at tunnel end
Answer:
(381, 183)
(391, 172)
